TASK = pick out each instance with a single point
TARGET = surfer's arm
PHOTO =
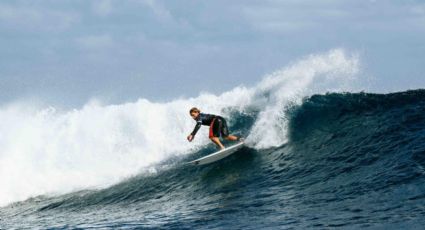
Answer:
(197, 127)
(192, 135)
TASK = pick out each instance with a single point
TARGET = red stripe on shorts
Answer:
(211, 128)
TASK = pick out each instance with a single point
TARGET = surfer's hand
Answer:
(190, 137)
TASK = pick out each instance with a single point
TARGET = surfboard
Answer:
(217, 155)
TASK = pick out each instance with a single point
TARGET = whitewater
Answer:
(44, 151)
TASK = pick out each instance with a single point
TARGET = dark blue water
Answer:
(352, 161)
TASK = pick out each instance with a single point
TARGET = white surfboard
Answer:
(217, 155)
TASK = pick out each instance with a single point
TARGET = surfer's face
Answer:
(194, 115)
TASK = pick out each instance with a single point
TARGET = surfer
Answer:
(218, 127)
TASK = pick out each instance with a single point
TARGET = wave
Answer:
(350, 159)
(45, 151)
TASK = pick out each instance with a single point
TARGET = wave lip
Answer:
(316, 74)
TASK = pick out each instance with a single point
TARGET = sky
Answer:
(66, 52)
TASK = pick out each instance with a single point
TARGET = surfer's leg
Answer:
(232, 138)
(216, 141)
(225, 131)
(215, 134)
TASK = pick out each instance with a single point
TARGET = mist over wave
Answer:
(47, 152)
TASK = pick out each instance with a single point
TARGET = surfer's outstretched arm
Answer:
(197, 127)
(195, 114)
(195, 130)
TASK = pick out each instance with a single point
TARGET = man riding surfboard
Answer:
(218, 127)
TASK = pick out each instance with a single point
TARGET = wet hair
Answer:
(194, 110)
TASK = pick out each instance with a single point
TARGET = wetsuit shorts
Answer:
(219, 128)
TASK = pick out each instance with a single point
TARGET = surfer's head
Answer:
(194, 112)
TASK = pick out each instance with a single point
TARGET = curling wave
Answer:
(50, 152)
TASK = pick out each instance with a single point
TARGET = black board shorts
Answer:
(219, 128)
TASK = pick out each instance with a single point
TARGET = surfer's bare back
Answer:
(217, 124)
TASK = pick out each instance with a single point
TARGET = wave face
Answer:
(314, 159)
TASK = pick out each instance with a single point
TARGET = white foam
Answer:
(44, 151)
(333, 71)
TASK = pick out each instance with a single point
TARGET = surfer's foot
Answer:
(241, 139)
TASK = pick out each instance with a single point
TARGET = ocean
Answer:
(320, 154)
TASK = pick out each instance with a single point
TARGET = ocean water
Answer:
(320, 154)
